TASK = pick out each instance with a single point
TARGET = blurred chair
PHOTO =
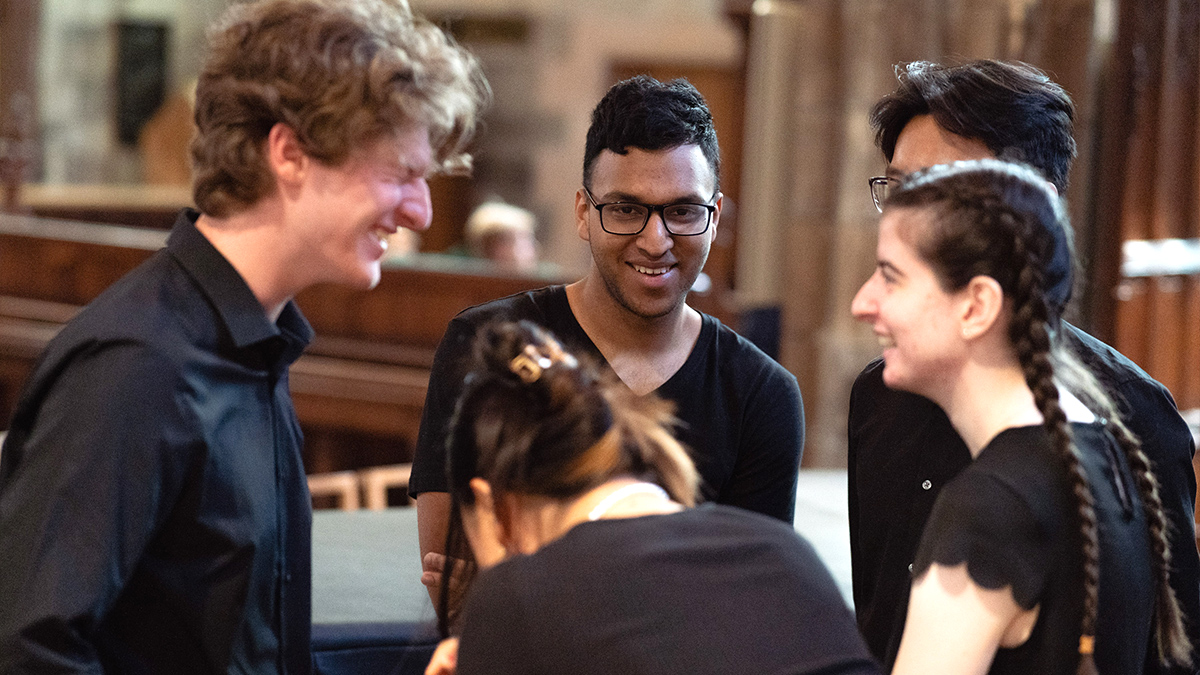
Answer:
(343, 486)
(376, 482)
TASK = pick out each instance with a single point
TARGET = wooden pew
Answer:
(358, 390)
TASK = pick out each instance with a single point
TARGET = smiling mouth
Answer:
(652, 271)
(381, 234)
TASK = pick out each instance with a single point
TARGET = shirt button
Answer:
(288, 577)
(926, 484)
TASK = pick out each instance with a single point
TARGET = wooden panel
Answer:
(1155, 148)
(1175, 203)
(410, 306)
(452, 198)
(1133, 314)
(359, 389)
(1189, 395)
(1166, 327)
(62, 271)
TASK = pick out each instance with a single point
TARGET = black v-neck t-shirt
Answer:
(742, 414)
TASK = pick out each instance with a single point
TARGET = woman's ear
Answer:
(983, 302)
(483, 527)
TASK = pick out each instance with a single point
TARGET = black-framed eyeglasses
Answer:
(682, 219)
(881, 187)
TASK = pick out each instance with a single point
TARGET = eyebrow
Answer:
(691, 198)
(893, 172)
(887, 266)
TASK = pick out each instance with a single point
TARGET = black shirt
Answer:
(1011, 518)
(153, 508)
(708, 590)
(903, 450)
(741, 411)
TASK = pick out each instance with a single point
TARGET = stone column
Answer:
(789, 184)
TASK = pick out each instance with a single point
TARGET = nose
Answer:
(865, 305)
(415, 210)
(654, 239)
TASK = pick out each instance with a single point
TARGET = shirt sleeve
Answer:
(982, 522)
(768, 462)
(860, 581)
(96, 465)
(450, 365)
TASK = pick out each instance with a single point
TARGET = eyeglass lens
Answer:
(880, 188)
(628, 218)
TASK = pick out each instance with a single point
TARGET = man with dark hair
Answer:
(648, 209)
(902, 448)
(154, 512)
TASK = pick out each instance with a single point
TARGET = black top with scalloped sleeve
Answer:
(1010, 517)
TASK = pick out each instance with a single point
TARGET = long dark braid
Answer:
(1029, 332)
(1173, 644)
(997, 219)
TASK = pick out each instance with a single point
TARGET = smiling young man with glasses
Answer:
(902, 448)
(649, 207)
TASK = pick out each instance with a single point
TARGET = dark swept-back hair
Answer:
(536, 420)
(1002, 220)
(1011, 107)
(340, 74)
(643, 113)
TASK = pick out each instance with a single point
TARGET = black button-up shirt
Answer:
(154, 515)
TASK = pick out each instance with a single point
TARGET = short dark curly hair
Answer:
(643, 113)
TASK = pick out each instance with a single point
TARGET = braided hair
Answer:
(1004, 221)
(536, 420)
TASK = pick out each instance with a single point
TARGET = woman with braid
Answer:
(575, 500)
(1048, 553)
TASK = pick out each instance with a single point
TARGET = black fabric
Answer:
(1011, 518)
(153, 505)
(710, 590)
(741, 411)
(898, 441)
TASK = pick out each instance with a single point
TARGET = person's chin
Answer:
(374, 274)
(893, 378)
(365, 276)
(655, 307)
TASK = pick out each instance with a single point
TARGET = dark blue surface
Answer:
(382, 648)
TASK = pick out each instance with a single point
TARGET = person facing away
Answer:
(648, 209)
(902, 447)
(153, 504)
(1048, 552)
(574, 498)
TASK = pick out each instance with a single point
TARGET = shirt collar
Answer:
(243, 315)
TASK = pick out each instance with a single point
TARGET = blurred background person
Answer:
(504, 234)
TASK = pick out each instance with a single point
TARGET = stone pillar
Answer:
(844, 345)
(791, 155)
